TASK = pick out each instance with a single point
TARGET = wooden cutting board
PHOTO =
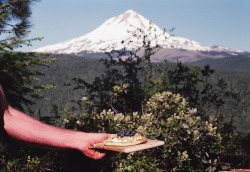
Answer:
(128, 149)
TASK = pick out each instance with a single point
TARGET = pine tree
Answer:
(17, 68)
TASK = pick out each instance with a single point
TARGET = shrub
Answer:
(190, 143)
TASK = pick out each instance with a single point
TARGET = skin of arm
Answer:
(23, 127)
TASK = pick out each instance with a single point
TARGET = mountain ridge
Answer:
(127, 30)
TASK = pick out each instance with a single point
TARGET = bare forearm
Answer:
(23, 127)
(26, 128)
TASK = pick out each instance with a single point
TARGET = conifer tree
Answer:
(17, 68)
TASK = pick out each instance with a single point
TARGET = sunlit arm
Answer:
(23, 127)
(26, 128)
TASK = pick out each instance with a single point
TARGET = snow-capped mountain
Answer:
(127, 30)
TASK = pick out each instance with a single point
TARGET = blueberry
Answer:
(132, 133)
(119, 133)
(127, 133)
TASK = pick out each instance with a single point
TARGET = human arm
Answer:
(23, 127)
(26, 128)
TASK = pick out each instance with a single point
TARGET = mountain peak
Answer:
(108, 36)
(122, 31)
(130, 13)
(127, 15)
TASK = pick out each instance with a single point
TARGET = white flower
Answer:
(177, 98)
(127, 118)
(119, 117)
(84, 99)
(184, 155)
(192, 111)
(65, 121)
(135, 114)
(184, 125)
(140, 129)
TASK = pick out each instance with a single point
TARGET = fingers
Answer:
(95, 154)
(89, 150)
(98, 155)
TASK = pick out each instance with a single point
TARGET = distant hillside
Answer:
(60, 73)
(233, 63)
(67, 67)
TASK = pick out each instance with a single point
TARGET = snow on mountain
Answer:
(118, 32)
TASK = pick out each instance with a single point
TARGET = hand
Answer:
(88, 145)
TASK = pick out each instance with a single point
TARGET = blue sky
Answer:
(209, 22)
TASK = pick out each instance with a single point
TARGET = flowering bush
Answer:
(190, 143)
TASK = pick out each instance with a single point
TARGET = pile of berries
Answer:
(126, 133)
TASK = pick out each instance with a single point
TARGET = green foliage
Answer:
(17, 75)
(60, 73)
(87, 68)
(16, 72)
(190, 143)
(118, 72)
(16, 156)
(209, 94)
(14, 24)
